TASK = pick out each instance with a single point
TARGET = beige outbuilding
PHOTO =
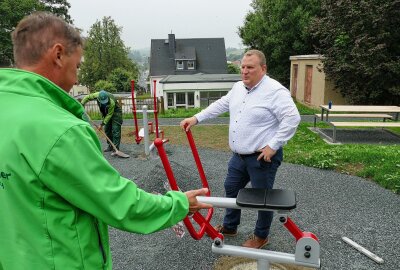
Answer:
(308, 83)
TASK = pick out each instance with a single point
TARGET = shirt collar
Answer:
(255, 86)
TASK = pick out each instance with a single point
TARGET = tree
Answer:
(233, 69)
(104, 52)
(121, 78)
(104, 85)
(280, 29)
(12, 11)
(58, 7)
(360, 42)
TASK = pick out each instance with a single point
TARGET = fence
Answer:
(126, 104)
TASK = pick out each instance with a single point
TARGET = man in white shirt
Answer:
(263, 117)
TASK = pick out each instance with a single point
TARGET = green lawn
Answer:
(374, 162)
(378, 163)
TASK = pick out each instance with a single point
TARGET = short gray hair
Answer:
(259, 54)
(38, 32)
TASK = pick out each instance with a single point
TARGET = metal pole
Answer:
(155, 108)
(137, 139)
(146, 132)
(363, 250)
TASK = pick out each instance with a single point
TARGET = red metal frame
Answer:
(137, 139)
(203, 222)
(296, 232)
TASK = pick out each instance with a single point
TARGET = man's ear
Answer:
(58, 51)
(264, 68)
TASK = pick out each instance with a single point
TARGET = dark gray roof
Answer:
(201, 78)
(185, 53)
(209, 54)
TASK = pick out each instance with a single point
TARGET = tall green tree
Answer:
(360, 42)
(58, 7)
(104, 52)
(280, 29)
(12, 11)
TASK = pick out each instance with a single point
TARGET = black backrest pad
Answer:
(274, 199)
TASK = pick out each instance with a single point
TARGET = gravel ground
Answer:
(329, 204)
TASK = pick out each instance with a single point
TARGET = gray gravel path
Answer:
(360, 136)
(330, 205)
(176, 121)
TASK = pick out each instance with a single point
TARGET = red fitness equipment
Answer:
(280, 201)
(138, 135)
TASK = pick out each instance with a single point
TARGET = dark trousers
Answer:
(261, 174)
(113, 130)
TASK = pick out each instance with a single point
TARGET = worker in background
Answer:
(112, 116)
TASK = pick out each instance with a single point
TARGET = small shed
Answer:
(308, 83)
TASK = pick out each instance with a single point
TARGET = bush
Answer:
(105, 85)
(121, 78)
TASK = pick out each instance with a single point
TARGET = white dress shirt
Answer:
(261, 116)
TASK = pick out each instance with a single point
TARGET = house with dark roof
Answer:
(191, 72)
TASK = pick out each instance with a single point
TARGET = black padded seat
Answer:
(274, 199)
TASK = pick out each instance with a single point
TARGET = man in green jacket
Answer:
(112, 116)
(58, 194)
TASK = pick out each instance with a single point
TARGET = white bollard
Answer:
(146, 132)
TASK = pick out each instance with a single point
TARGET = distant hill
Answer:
(140, 56)
(233, 54)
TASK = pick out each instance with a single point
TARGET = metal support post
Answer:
(146, 132)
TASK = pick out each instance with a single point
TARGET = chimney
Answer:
(172, 46)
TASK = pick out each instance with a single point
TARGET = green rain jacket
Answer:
(112, 108)
(57, 191)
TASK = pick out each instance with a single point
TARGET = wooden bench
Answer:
(361, 124)
(355, 115)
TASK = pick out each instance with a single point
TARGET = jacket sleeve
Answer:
(110, 113)
(76, 170)
(89, 97)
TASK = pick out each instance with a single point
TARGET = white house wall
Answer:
(158, 85)
(196, 87)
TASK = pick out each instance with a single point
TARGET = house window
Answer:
(170, 97)
(190, 64)
(180, 100)
(179, 64)
(206, 98)
(190, 96)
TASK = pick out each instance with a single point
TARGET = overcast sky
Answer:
(155, 19)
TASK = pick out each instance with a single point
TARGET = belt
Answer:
(248, 155)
